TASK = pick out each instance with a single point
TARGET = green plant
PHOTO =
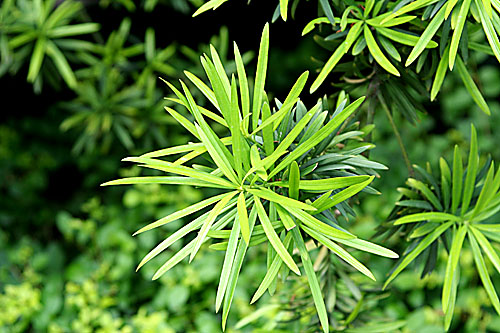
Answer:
(39, 30)
(269, 173)
(446, 208)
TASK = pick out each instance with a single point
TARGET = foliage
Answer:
(67, 256)
(258, 168)
(448, 208)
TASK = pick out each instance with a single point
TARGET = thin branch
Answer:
(398, 135)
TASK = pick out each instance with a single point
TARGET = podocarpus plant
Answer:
(446, 208)
(282, 177)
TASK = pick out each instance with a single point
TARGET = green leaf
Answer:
(453, 258)
(267, 194)
(61, 64)
(471, 86)
(427, 35)
(290, 101)
(417, 250)
(228, 262)
(483, 272)
(339, 251)
(212, 4)
(377, 54)
(487, 191)
(273, 237)
(207, 92)
(404, 38)
(272, 272)
(457, 33)
(440, 74)
(260, 76)
(294, 181)
(488, 28)
(244, 92)
(328, 67)
(209, 221)
(342, 195)
(318, 136)
(367, 247)
(319, 226)
(243, 218)
(181, 213)
(37, 59)
(180, 170)
(161, 180)
(235, 270)
(311, 279)
(327, 183)
(470, 178)
(457, 179)
(429, 216)
(238, 150)
(286, 219)
(487, 247)
(428, 194)
(283, 9)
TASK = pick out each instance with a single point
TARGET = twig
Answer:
(398, 135)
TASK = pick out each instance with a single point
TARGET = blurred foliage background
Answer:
(85, 93)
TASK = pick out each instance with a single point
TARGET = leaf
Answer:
(290, 101)
(260, 76)
(487, 247)
(244, 92)
(61, 64)
(488, 28)
(37, 59)
(366, 246)
(228, 261)
(457, 179)
(273, 237)
(161, 180)
(417, 250)
(272, 272)
(377, 54)
(483, 272)
(243, 218)
(403, 38)
(283, 9)
(181, 213)
(286, 219)
(328, 67)
(426, 36)
(311, 279)
(339, 251)
(207, 92)
(209, 221)
(319, 226)
(471, 86)
(318, 136)
(430, 216)
(451, 266)
(457, 33)
(267, 194)
(343, 195)
(428, 194)
(212, 4)
(471, 172)
(294, 181)
(440, 74)
(180, 170)
(326, 184)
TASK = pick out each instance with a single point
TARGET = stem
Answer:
(396, 132)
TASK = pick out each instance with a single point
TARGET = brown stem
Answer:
(398, 135)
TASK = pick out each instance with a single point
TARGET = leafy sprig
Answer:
(265, 171)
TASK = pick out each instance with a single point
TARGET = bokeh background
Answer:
(67, 257)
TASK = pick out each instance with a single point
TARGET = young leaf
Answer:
(377, 54)
(451, 267)
(311, 279)
(209, 221)
(260, 76)
(243, 218)
(273, 237)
